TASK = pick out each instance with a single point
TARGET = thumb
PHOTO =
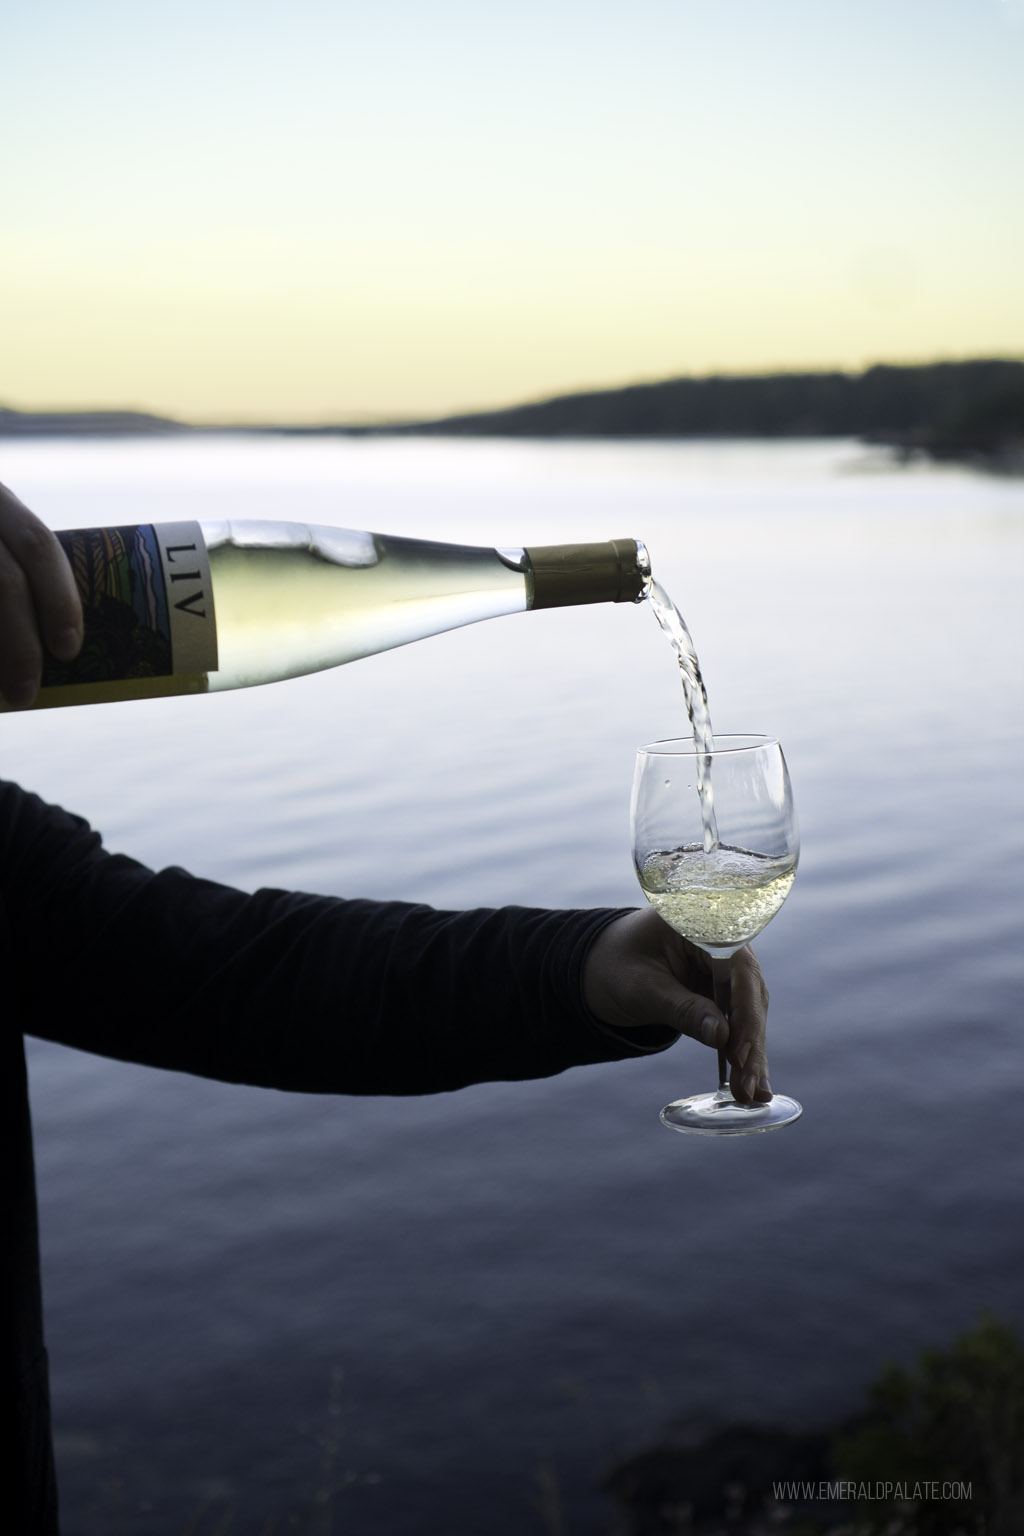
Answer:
(702, 1020)
(687, 1012)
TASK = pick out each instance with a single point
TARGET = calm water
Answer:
(442, 1307)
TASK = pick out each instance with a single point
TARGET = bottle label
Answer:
(147, 598)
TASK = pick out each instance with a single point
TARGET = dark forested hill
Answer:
(903, 405)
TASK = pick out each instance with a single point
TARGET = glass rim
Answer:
(685, 746)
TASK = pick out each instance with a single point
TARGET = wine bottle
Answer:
(179, 608)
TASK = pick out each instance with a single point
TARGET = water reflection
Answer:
(214, 1254)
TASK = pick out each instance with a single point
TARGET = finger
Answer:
(21, 655)
(749, 1077)
(47, 606)
(54, 593)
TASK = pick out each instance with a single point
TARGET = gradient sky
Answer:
(336, 210)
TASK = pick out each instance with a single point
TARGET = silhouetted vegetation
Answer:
(955, 1419)
(949, 410)
(992, 426)
(938, 1452)
(889, 404)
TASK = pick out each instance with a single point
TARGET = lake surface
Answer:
(459, 1311)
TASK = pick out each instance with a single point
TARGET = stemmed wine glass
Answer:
(715, 845)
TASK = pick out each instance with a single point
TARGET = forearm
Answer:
(289, 990)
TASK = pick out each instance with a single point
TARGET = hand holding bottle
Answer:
(39, 602)
(639, 974)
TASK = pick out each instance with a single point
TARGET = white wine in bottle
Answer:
(196, 607)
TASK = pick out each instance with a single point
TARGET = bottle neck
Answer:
(564, 575)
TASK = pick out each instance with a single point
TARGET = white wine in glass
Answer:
(715, 845)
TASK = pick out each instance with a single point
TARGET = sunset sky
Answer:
(332, 210)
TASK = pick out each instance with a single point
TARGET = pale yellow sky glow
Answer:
(332, 211)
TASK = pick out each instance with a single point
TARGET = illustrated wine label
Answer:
(147, 598)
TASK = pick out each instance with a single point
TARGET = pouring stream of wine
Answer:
(673, 625)
(695, 694)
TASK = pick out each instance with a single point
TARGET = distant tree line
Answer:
(956, 404)
(946, 409)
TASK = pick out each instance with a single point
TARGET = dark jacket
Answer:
(278, 989)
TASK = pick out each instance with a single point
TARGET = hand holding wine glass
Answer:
(715, 845)
(642, 979)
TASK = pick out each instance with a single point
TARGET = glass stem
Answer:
(721, 976)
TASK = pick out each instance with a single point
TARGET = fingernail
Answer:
(20, 695)
(742, 1054)
(764, 1085)
(67, 644)
(749, 1085)
(708, 1030)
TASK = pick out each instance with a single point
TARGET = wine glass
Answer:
(715, 845)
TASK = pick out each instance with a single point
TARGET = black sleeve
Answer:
(280, 988)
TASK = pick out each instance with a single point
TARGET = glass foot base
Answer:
(718, 1114)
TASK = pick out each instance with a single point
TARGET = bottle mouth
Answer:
(643, 565)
